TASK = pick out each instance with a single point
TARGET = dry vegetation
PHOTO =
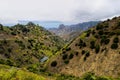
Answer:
(96, 50)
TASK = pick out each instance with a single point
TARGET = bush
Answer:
(67, 77)
(1, 27)
(64, 56)
(76, 53)
(116, 40)
(87, 54)
(89, 76)
(71, 56)
(54, 64)
(83, 52)
(66, 61)
(82, 44)
(112, 33)
(93, 32)
(88, 34)
(96, 36)
(85, 58)
(101, 32)
(92, 44)
(9, 62)
(107, 41)
(97, 48)
(13, 33)
(33, 68)
(104, 40)
(99, 26)
(9, 50)
(114, 46)
(68, 49)
(30, 24)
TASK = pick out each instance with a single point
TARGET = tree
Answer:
(30, 24)
(1, 27)
(71, 56)
(114, 46)
(116, 40)
(64, 56)
(97, 48)
(92, 44)
(54, 64)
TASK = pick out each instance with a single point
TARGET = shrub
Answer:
(6, 54)
(9, 62)
(104, 40)
(68, 49)
(13, 33)
(112, 33)
(89, 76)
(4, 41)
(97, 48)
(9, 50)
(71, 56)
(101, 32)
(114, 46)
(1, 27)
(116, 40)
(30, 24)
(67, 77)
(64, 56)
(107, 41)
(118, 24)
(82, 44)
(92, 44)
(93, 32)
(2, 61)
(88, 34)
(33, 68)
(99, 26)
(54, 64)
(85, 58)
(1, 50)
(87, 54)
(76, 53)
(66, 61)
(83, 52)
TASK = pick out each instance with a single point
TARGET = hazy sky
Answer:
(58, 10)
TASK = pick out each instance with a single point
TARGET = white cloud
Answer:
(60, 10)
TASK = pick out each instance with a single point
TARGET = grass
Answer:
(12, 73)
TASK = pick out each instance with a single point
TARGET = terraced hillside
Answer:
(27, 45)
(96, 50)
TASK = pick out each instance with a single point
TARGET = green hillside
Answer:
(26, 45)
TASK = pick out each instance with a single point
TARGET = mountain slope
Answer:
(96, 50)
(27, 45)
(69, 32)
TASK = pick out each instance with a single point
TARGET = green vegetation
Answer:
(66, 61)
(92, 44)
(64, 56)
(54, 64)
(114, 46)
(71, 56)
(22, 47)
(25, 45)
(116, 40)
(12, 73)
(97, 48)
